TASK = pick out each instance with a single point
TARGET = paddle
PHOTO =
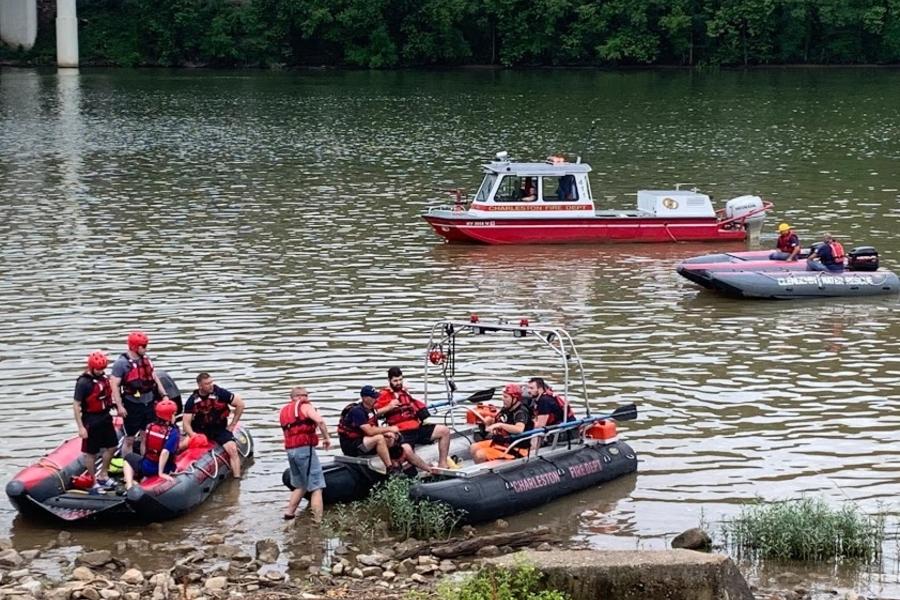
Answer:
(476, 398)
(623, 413)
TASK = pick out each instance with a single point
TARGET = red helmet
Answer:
(137, 339)
(97, 360)
(166, 409)
(85, 481)
(514, 390)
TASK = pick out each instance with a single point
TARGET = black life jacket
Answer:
(210, 413)
(99, 400)
(347, 430)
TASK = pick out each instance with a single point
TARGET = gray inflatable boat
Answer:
(786, 285)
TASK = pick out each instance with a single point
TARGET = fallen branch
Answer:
(455, 548)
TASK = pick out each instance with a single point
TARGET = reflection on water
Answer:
(265, 227)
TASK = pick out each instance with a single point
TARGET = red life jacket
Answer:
(99, 400)
(563, 406)
(347, 430)
(210, 413)
(156, 435)
(139, 377)
(404, 416)
(298, 430)
(838, 251)
(786, 242)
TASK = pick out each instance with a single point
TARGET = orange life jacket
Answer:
(837, 250)
(298, 430)
(404, 416)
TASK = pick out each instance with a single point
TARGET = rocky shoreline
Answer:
(216, 569)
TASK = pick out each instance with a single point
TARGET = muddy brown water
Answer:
(265, 227)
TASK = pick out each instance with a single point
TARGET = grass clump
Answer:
(389, 503)
(806, 529)
(521, 583)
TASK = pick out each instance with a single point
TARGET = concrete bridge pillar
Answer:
(18, 22)
(66, 34)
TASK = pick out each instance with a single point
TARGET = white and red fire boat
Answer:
(551, 203)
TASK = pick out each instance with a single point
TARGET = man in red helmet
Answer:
(158, 447)
(134, 383)
(93, 399)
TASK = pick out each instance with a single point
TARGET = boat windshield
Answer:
(484, 192)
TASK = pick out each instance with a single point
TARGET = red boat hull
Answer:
(587, 230)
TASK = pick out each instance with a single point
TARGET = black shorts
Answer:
(355, 448)
(417, 437)
(218, 436)
(101, 434)
(139, 416)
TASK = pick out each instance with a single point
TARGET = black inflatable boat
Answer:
(560, 460)
(45, 489)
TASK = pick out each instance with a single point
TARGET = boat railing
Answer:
(460, 201)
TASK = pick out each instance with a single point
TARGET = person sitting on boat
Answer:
(788, 245)
(513, 418)
(547, 407)
(827, 256)
(528, 193)
(299, 421)
(360, 435)
(158, 447)
(398, 408)
(206, 411)
(93, 399)
(134, 384)
(566, 191)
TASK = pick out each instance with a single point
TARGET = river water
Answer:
(264, 227)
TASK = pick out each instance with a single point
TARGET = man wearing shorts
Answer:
(299, 421)
(133, 385)
(513, 419)
(401, 410)
(360, 434)
(206, 411)
(93, 399)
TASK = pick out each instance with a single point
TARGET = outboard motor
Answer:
(863, 258)
(742, 205)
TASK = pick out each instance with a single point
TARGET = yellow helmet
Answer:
(784, 227)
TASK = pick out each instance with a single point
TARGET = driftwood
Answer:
(453, 548)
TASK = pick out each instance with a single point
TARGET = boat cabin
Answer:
(532, 187)
(559, 188)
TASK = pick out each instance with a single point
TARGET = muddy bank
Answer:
(213, 567)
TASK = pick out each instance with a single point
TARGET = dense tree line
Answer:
(393, 33)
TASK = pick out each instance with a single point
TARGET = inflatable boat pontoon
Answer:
(559, 460)
(45, 488)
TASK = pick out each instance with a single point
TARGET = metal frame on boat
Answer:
(555, 463)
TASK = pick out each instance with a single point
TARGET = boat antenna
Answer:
(589, 138)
